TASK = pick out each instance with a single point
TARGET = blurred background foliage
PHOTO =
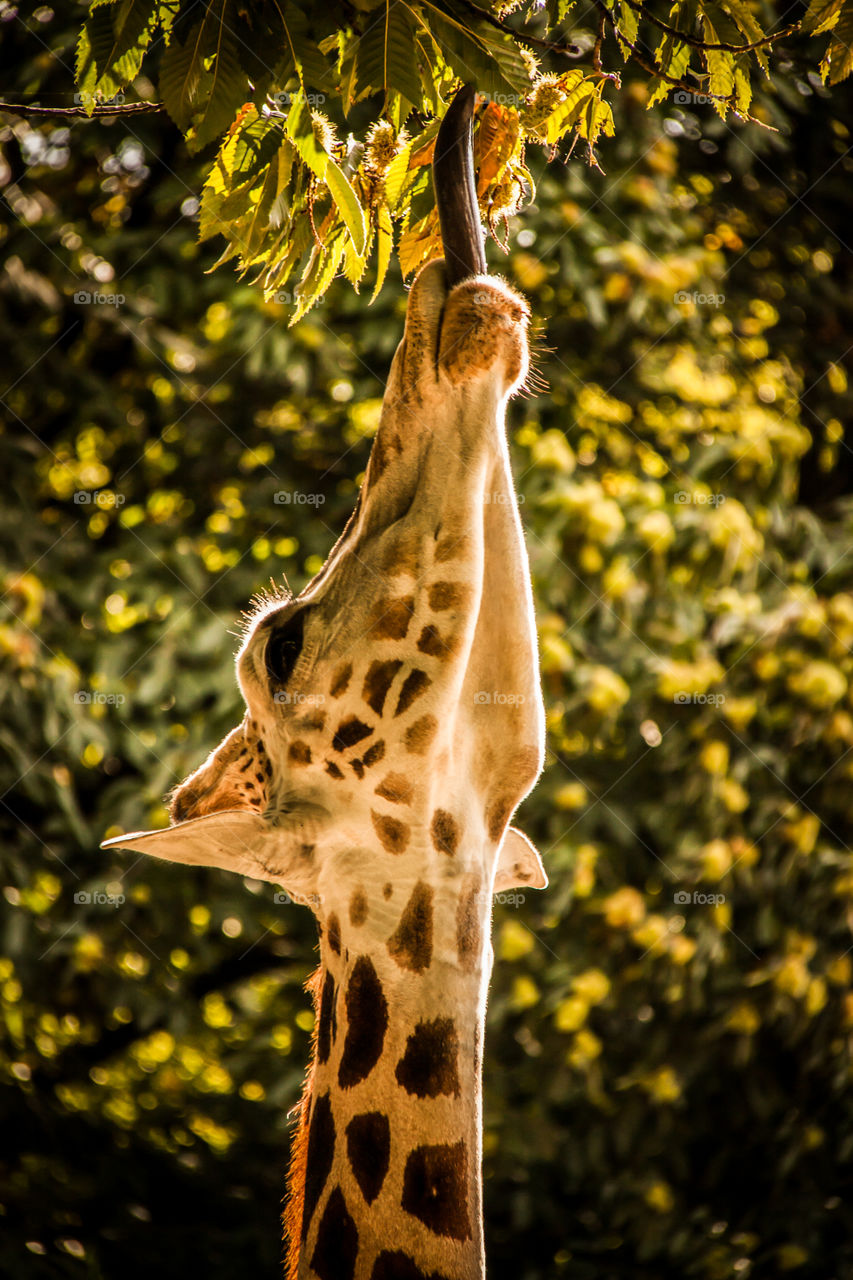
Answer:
(669, 1051)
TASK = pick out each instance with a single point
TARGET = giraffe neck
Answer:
(385, 1178)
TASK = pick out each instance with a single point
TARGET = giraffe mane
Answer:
(297, 1169)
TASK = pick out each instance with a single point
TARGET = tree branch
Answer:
(120, 109)
(536, 42)
(696, 43)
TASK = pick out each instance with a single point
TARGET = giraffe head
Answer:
(393, 714)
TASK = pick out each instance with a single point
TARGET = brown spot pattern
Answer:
(432, 642)
(332, 770)
(333, 933)
(336, 1248)
(415, 683)
(321, 1152)
(326, 1022)
(358, 907)
(393, 834)
(391, 618)
(429, 1065)
(341, 679)
(349, 732)
(369, 1151)
(444, 832)
(395, 787)
(374, 754)
(399, 1266)
(411, 943)
(498, 815)
(435, 1189)
(468, 929)
(377, 682)
(450, 547)
(314, 720)
(420, 734)
(448, 595)
(367, 1022)
(299, 753)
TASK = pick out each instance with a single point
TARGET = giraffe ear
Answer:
(232, 840)
(519, 864)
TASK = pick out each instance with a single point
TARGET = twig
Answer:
(120, 109)
(696, 43)
(566, 50)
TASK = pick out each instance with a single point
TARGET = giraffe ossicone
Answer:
(393, 723)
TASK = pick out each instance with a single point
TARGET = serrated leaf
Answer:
(321, 271)
(181, 71)
(399, 177)
(821, 16)
(301, 55)
(112, 44)
(472, 56)
(348, 204)
(746, 24)
(384, 246)
(568, 112)
(674, 58)
(838, 60)
(628, 26)
(384, 55)
(224, 88)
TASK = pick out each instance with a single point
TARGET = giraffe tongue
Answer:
(456, 192)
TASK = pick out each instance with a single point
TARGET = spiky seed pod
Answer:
(382, 145)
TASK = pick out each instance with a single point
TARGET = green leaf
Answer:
(821, 16)
(112, 44)
(225, 87)
(181, 71)
(348, 204)
(628, 25)
(384, 246)
(838, 60)
(473, 56)
(384, 55)
(320, 273)
(399, 178)
(301, 55)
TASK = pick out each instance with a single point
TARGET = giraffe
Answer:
(393, 723)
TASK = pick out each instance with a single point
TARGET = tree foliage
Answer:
(269, 83)
(667, 1082)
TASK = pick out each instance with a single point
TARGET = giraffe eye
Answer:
(283, 648)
